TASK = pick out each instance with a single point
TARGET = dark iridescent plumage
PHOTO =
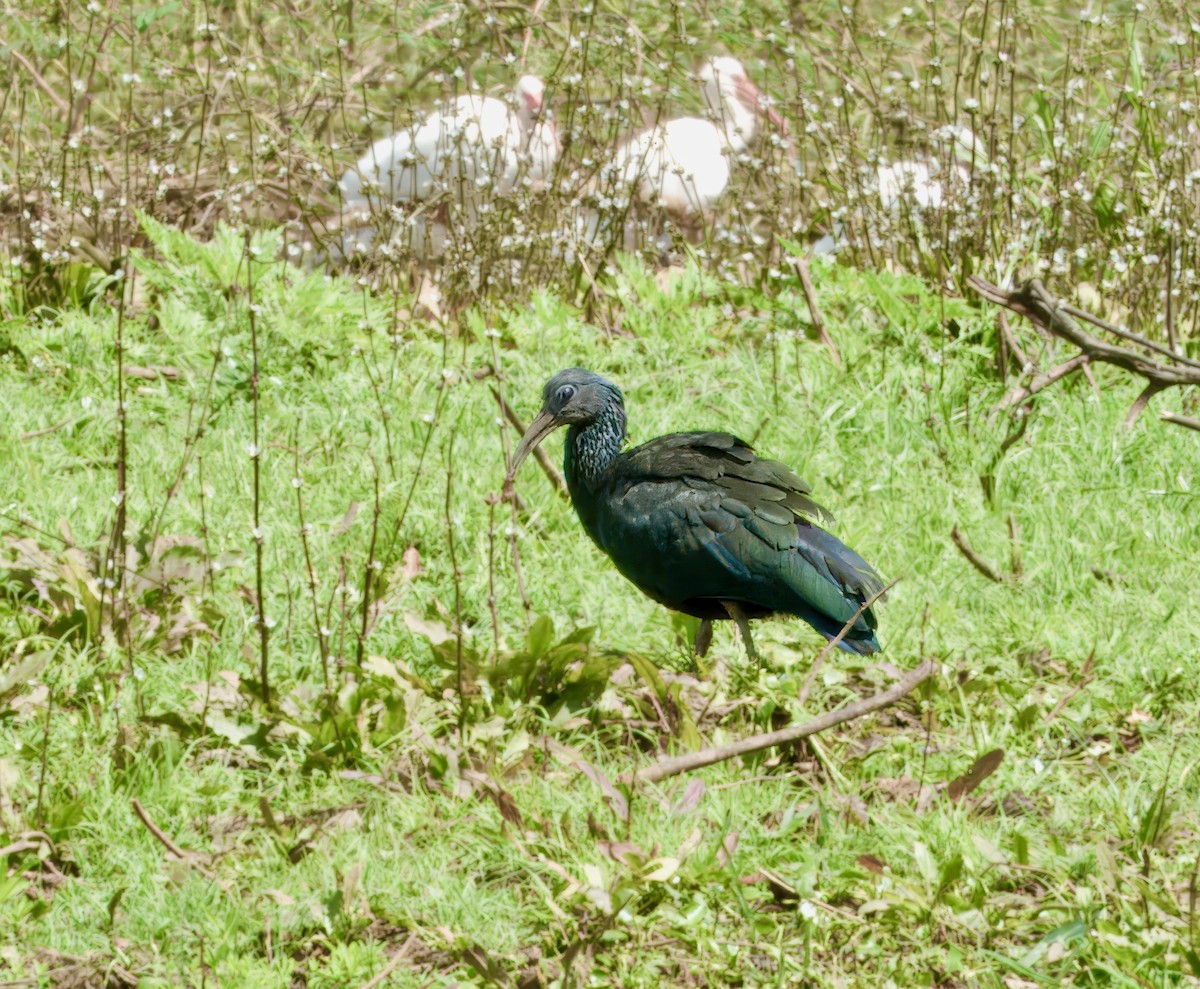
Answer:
(699, 522)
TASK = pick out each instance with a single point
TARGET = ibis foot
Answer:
(703, 638)
(734, 610)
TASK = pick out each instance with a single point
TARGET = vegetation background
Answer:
(288, 696)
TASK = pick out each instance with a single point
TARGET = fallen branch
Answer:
(1009, 348)
(675, 765)
(1085, 677)
(973, 558)
(61, 104)
(1035, 303)
(1124, 334)
(33, 434)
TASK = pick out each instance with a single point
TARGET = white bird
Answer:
(682, 166)
(919, 180)
(445, 167)
(910, 186)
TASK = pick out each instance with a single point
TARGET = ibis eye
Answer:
(564, 394)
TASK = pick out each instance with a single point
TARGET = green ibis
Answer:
(702, 524)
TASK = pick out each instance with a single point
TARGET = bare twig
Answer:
(814, 311)
(1124, 334)
(1009, 348)
(19, 846)
(977, 561)
(534, 15)
(49, 429)
(1085, 677)
(1042, 380)
(45, 87)
(675, 765)
(165, 840)
(397, 959)
(1014, 543)
(264, 629)
(1140, 403)
(1033, 301)
(1186, 421)
(832, 643)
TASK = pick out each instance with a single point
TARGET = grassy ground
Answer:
(204, 443)
(327, 831)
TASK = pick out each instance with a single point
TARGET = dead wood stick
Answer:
(1185, 421)
(973, 558)
(832, 643)
(1014, 543)
(1085, 677)
(1034, 302)
(165, 840)
(1009, 346)
(814, 311)
(38, 78)
(1140, 403)
(1042, 380)
(32, 434)
(19, 846)
(534, 15)
(1124, 334)
(675, 765)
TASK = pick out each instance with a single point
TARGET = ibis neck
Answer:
(735, 122)
(591, 449)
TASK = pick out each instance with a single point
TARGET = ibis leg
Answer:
(703, 637)
(734, 610)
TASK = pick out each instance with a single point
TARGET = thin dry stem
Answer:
(809, 680)
(977, 561)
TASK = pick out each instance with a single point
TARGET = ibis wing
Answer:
(751, 518)
(722, 460)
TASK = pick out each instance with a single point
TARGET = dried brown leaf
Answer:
(342, 527)
(692, 795)
(980, 769)
(729, 845)
(623, 852)
(872, 863)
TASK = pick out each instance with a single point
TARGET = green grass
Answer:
(434, 797)
(1070, 865)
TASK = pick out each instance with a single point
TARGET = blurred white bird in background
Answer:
(428, 182)
(920, 181)
(682, 166)
(909, 186)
